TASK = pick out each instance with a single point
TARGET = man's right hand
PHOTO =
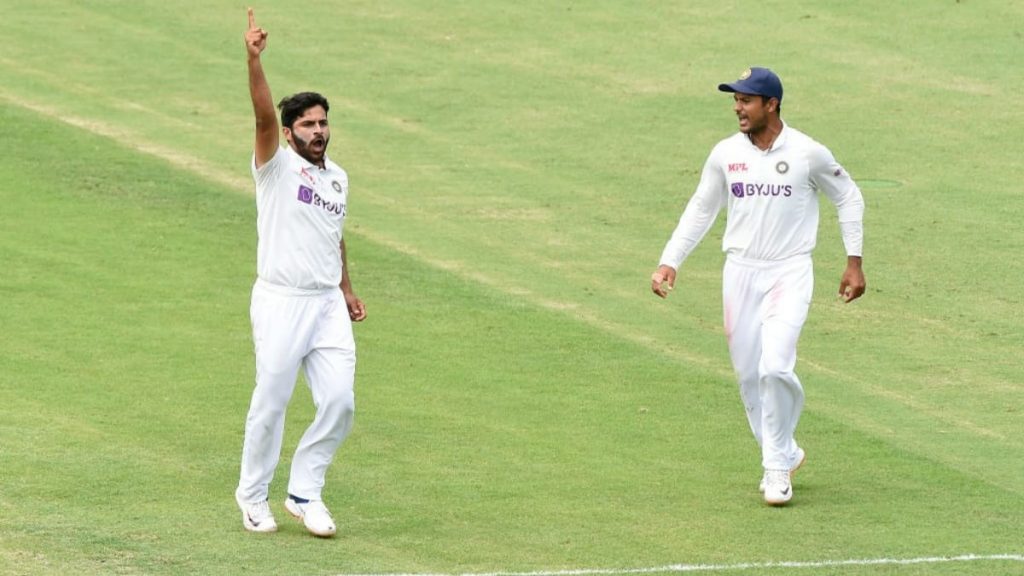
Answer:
(662, 275)
(255, 37)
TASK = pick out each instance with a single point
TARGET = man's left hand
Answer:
(852, 285)
(356, 308)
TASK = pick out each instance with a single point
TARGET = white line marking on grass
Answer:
(179, 159)
(740, 567)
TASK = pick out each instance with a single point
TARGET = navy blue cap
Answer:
(757, 81)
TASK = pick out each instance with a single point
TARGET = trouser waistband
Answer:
(289, 291)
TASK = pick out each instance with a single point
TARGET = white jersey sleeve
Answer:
(829, 177)
(699, 215)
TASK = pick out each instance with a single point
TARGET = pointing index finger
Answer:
(252, 20)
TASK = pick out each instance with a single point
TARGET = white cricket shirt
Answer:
(772, 199)
(300, 216)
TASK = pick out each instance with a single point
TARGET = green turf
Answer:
(524, 403)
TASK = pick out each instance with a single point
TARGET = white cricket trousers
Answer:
(290, 329)
(766, 304)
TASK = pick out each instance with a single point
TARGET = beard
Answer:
(753, 128)
(312, 150)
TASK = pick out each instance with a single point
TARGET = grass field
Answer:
(524, 403)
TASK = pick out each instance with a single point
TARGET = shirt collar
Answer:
(780, 141)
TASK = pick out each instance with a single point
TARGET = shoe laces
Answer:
(317, 506)
(259, 510)
(776, 477)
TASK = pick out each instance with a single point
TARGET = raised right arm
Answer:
(267, 132)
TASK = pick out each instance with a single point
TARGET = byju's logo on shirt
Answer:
(740, 189)
(308, 196)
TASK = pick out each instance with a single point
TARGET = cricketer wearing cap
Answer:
(768, 176)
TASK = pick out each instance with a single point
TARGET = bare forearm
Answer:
(259, 90)
(262, 103)
(346, 282)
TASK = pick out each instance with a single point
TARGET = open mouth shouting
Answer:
(312, 150)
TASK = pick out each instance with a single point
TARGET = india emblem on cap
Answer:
(745, 75)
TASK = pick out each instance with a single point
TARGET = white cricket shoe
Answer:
(800, 457)
(778, 489)
(314, 515)
(256, 516)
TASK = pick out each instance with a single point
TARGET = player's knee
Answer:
(777, 373)
(341, 404)
(266, 417)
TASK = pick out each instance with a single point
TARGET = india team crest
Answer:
(745, 75)
(782, 167)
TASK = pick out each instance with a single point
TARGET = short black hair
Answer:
(294, 106)
(778, 109)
